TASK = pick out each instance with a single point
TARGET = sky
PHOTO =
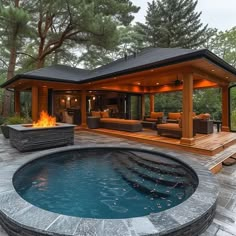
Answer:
(220, 14)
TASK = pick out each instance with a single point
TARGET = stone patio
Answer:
(224, 223)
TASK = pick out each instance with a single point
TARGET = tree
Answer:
(223, 44)
(173, 23)
(13, 26)
(83, 23)
(129, 42)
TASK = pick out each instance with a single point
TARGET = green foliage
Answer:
(223, 44)
(233, 120)
(2, 120)
(129, 41)
(168, 102)
(13, 120)
(173, 23)
(208, 101)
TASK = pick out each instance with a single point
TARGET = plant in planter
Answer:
(12, 120)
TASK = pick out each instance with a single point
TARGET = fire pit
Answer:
(41, 135)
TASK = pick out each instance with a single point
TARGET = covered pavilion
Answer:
(154, 70)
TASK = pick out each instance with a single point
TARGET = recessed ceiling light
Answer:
(212, 70)
(152, 70)
(226, 77)
(157, 83)
(139, 83)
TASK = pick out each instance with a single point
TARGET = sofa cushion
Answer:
(96, 113)
(205, 116)
(174, 115)
(120, 121)
(105, 114)
(155, 115)
(170, 126)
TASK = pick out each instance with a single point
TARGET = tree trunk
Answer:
(10, 72)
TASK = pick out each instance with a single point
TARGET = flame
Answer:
(45, 120)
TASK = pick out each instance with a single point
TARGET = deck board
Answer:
(206, 144)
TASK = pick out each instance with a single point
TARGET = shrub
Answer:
(13, 120)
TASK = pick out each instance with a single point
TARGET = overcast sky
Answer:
(220, 14)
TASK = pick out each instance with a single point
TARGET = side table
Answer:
(93, 122)
(218, 124)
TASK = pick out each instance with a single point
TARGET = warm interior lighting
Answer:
(212, 70)
(157, 83)
(94, 98)
(68, 99)
(76, 100)
(139, 83)
(45, 120)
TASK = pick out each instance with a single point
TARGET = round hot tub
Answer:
(105, 183)
(106, 191)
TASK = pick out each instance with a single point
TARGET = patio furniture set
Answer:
(165, 126)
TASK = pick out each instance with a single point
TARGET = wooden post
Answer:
(17, 102)
(83, 109)
(43, 99)
(143, 106)
(35, 103)
(187, 116)
(152, 103)
(225, 109)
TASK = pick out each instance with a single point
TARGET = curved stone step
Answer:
(163, 169)
(139, 183)
(166, 180)
(156, 167)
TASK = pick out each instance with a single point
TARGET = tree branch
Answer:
(23, 53)
(4, 62)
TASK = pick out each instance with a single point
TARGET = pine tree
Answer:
(173, 23)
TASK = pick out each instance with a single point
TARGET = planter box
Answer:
(27, 138)
(5, 130)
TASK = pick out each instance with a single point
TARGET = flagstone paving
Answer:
(224, 223)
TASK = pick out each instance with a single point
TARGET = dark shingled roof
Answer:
(146, 59)
(58, 72)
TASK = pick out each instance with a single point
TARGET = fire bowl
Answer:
(25, 137)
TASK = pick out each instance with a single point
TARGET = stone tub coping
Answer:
(193, 215)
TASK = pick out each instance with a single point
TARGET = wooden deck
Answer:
(209, 144)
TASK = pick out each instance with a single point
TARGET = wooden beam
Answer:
(43, 98)
(187, 116)
(83, 109)
(143, 106)
(197, 84)
(17, 102)
(118, 88)
(152, 102)
(35, 103)
(225, 109)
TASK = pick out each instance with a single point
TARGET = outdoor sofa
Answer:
(117, 124)
(201, 124)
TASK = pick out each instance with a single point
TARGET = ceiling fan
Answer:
(177, 82)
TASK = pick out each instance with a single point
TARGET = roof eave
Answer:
(42, 78)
